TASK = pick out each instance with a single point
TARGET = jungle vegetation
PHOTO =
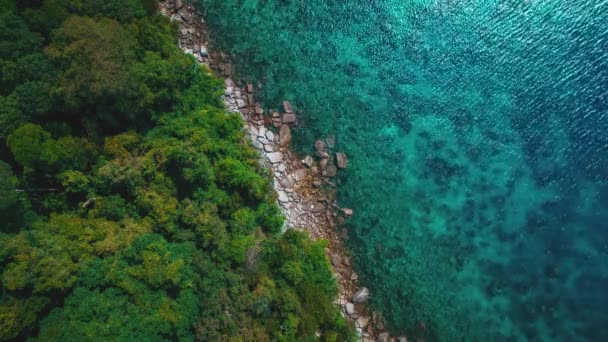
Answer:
(131, 207)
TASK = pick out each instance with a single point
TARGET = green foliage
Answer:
(33, 147)
(237, 176)
(91, 315)
(141, 214)
(15, 211)
(75, 153)
(304, 286)
(17, 314)
(9, 198)
(11, 116)
(96, 56)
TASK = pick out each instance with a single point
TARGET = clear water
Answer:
(477, 132)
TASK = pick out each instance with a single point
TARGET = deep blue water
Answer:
(477, 133)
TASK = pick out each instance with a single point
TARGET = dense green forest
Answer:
(131, 207)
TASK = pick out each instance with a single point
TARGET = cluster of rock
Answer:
(191, 37)
(305, 191)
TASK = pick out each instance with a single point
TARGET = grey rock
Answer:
(401, 339)
(383, 337)
(284, 135)
(253, 130)
(316, 208)
(178, 4)
(262, 132)
(228, 91)
(185, 14)
(336, 260)
(268, 148)
(362, 322)
(361, 296)
(289, 118)
(283, 197)
(275, 157)
(300, 174)
(282, 168)
(240, 103)
(270, 135)
(349, 308)
(354, 276)
(341, 160)
(286, 183)
(197, 48)
(204, 52)
(258, 145)
(308, 161)
(229, 82)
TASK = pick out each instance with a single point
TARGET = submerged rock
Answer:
(331, 141)
(323, 163)
(289, 118)
(341, 160)
(320, 145)
(323, 154)
(361, 296)
(284, 135)
(330, 171)
(347, 212)
(287, 107)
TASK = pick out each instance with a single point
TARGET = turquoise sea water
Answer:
(477, 133)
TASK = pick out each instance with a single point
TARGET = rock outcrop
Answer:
(305, 191)
(361, 296)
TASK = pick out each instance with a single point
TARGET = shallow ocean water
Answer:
(477, 133)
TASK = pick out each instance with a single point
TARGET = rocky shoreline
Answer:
(306, 193)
